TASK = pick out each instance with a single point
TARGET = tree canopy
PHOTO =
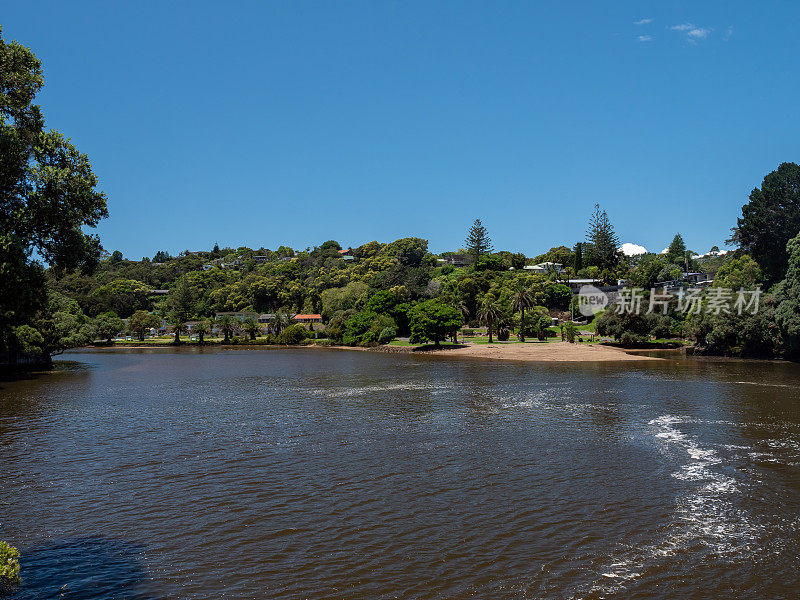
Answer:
(48, 196)
(770, 219)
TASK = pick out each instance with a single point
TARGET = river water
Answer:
(322, 474)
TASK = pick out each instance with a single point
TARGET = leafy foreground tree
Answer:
(770, 219)
(434, 321)
(478, 241)
(47, 196)
(9, 565)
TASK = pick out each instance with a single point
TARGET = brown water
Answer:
(321, 474)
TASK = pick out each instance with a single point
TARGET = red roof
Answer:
(301, 317)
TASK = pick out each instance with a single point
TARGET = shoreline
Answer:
(550, 352)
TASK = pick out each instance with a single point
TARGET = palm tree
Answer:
(490, 313)
(461, 307)
(280, 322)
(201, 329)
(251, 327)
(178, 326)
(521, 300)
(227, 325)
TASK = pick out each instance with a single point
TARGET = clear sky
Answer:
(270, 123)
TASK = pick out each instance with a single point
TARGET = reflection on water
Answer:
(324, 474)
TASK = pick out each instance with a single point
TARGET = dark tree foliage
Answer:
(787, 314)
(770, 219)
(478, 241)
(47, 197)
(600, 234)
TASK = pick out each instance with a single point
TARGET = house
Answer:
(159, 292)
(238, 315)
(545, 267)
(694, 278)
(266, 318)
(208, 266)
(459, 260)
(260, 259)
(348, 252)
(308, 318)
(234, 264)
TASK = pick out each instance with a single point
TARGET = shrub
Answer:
(570, 331)
(293, 335)
(503, 334)
(387, 335)
(9, 564)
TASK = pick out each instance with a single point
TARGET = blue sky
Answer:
(295, 122)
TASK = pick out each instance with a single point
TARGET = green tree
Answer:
(604, 242)
(202, 329)
(227, 325)
(770, 219)
(107, 325)
(570, 331)
(578, 257)
(741, 272)
(293, 335)
(180, 303)
(47, 197)
(478, 241)
(141, 322)
(433, 320)
(251, 328)
(521, 300)
(676, 253)
(490, 313)
(787, 314)
(9, 565)
(122, 296)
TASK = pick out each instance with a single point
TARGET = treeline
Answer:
(49, 196)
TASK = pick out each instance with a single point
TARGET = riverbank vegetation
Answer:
(9, 566)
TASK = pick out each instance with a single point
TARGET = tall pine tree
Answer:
(604, 241)
(478, 241)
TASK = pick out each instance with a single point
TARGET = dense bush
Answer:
(293, 335)
(9, 564)
(365, 327)
(387, 335)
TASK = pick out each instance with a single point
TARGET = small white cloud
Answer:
(643, 21)
(629, 249)
(664, 251)
(699, 33)
(645, 38)
(693, 32)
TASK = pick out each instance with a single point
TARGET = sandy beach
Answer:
(552, 352)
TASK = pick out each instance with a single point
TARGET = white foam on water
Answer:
(345, 392)
(705, 514)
